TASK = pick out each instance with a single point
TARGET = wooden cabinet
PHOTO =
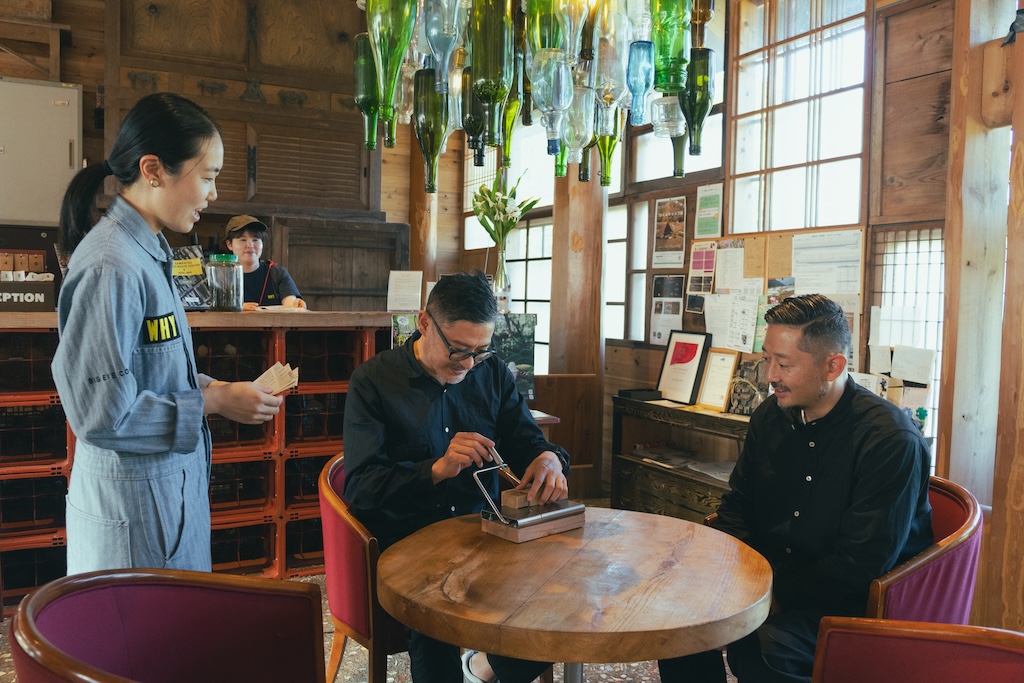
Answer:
(644, 484)
(263, 488)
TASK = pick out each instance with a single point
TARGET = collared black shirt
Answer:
(831, 504)
(399, 420)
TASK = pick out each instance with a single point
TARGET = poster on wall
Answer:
(666, 307)
(708, 221)
(670, 233)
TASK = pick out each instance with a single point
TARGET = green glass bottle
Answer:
(510, 112)
(605, 148)
(584, 170)
(696, 100)
(390, 24)
(472, 118)
(519, 34)
(542, 27)
(562, 161)
(367, 97)
(492, 61)
(702, 14)
(670, 33)
(430, 122)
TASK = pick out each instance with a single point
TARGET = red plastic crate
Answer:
(28, 564)
(324, 355)
(33, 434)
(243, 488)
(244, 547)
(25, 357)
(32, 504)
(311, 419)
(301, 476)
(303, 546)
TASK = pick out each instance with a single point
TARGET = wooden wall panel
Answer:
(626, 366)
(200, 31)
(394, 176)
(920, 42)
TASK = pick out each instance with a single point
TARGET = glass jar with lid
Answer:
(224, 274)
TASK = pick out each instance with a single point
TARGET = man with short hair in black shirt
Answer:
(831, 487)
(419, 420)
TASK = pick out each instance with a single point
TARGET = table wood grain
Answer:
(627, 587)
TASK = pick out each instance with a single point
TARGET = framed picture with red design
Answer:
(681, 370)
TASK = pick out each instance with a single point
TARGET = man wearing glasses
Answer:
(419, 420)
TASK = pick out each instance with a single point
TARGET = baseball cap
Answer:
(240, 222)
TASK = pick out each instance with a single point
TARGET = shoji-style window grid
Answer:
(798, 126)
(907, 281)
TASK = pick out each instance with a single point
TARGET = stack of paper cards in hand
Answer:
(278, 378)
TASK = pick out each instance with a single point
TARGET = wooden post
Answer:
(422, 218)
(1005, 600)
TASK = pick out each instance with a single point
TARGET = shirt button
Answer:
(789, 550)
(453, 508)
(808, 477)
(811, 444)
(446, 430)
(796, 513)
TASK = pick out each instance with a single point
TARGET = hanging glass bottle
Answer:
(543, 28)
(667, 119)
(697, 98)
(454, 95)
(562, 161)
(572, 16)
(606, 148)
(412, 63)
(367, 98)
(611, 36)
(552, 92)
(640, 79)
(472, 118)
(513, 104)
(390, 24)
(588, 149)
(579, 120)
(670, 33)
(703, 13)
(443, 24)
(492, 61)
(430, 121)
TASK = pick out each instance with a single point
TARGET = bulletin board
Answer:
(731, 282)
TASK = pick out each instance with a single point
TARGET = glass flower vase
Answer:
(502, 285)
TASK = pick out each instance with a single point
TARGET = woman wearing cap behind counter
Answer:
(264, 283)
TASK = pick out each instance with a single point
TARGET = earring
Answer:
(154, 183)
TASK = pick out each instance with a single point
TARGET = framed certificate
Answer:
(681, 369)
(716, 384)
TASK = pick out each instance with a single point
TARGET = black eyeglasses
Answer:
(461, 354)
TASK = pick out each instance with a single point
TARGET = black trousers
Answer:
(432, 661)
(781, 650)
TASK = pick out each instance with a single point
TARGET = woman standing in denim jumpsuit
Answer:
(124, 368)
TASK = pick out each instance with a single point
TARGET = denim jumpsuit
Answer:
(126, 375)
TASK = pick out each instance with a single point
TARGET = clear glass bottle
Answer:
(224, 274)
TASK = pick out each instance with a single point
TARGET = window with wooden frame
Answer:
(798, 124)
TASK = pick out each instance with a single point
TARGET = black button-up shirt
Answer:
(831, 504)
(399, 420)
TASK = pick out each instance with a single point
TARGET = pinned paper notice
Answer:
(912, 364)
(278, 378)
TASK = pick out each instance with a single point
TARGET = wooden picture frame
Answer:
(716, 382)
(683, 365)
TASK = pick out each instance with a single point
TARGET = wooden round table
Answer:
(627, 587)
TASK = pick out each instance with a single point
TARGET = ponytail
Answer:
(78, 210)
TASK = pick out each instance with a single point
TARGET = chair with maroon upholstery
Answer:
(350, 566)
(856, 650)
(936, 585)
(164, 626)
